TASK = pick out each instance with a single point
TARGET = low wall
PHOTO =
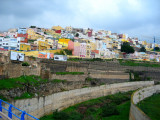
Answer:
(4, 117)
(111, 76)
(39, 107)
(135, 112)
(69, 77)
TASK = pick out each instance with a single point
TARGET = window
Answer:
(6, 43)
(3, 43)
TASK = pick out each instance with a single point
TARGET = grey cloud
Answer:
(67, 12)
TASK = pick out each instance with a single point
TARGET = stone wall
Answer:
(13, 70)
(39, 107)
(135, 112)
(69, 77)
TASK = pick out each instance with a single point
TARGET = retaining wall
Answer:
(135, 112)
(39, 107)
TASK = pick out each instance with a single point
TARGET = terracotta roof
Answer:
(95, 51)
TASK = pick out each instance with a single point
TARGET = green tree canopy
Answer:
(143, 49)
(156, 48)
(125, 47)
(77, 34)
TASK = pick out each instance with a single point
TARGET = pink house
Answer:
(71, 46)
(83, 50)
(76, 51)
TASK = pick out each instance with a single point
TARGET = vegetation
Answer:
(142, 49)
(25, 64)
(157, 49)
(134, 63)
(112, 107)
(91, 60)
(151, 106)
(9, 83)
(31, 40)
(32, 26)
(89, 79)
(125, 47)
(58, 81)
(70, 73)
(77, 35)
(68, 52)
(59, 53)
(3, 98)
(25, 95)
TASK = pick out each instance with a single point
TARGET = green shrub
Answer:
(58, 81)
(25, 64)
(109, 109)
(68, 52)
(89, 79)
(75, 116)
(3, 98)
(60, 115)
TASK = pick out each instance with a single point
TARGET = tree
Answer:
(156, 48)
(142, 49)
(77, 34)
(125, 47)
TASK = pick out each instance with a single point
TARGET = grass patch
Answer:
(151, 106)
(58, 81)
(10, 83)
(134, 63)
(89, 79)
(3, 98)
(123, 110)
(112, 107)
(25, 95)
(86, 59)
(69, 73)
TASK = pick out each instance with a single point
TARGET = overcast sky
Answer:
(135, 17)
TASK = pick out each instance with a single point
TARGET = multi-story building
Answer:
(9, 43)
(69, 29)
(76, 49)
(88, 50)
(83, 50)
(25, 46)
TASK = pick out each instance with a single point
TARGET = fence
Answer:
(10, 113)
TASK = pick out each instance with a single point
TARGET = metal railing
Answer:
(10, 113)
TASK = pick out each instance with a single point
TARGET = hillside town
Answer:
(81, 42)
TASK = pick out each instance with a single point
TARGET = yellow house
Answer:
(25, 46)
(43, 45)
(57, 28)
(33, 35)
(50, 42)
(93, 46)
(63, 41)
(124, 40)
(144, 43)
(88, 50)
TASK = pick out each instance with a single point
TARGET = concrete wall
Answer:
(39, 107)
(4, 117)
(135, 112)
